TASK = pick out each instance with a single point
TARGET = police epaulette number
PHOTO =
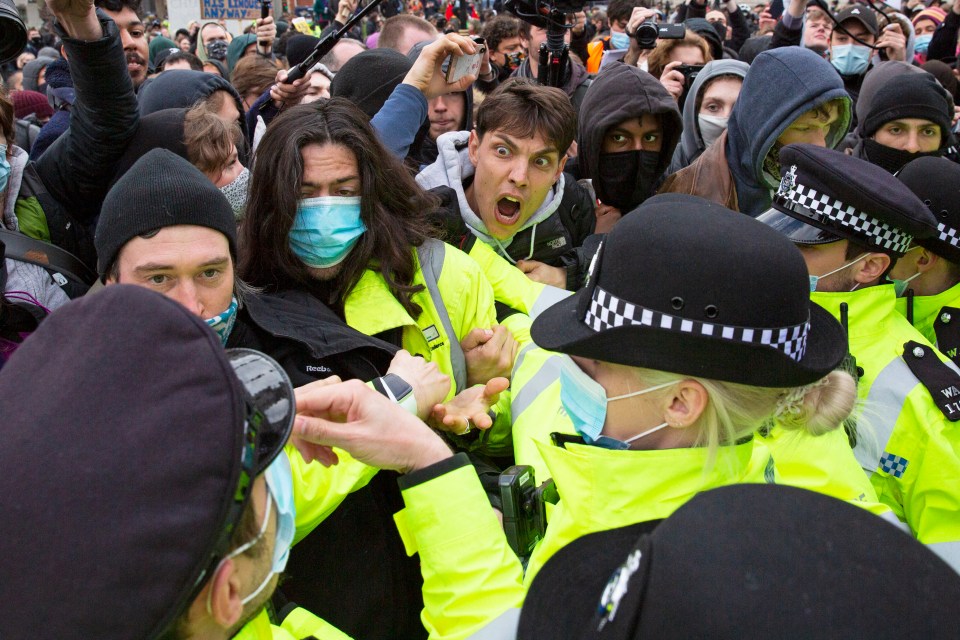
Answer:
(941, 381)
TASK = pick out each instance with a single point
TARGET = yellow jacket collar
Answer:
(868, 310)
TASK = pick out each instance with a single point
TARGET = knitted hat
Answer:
(915, 95)
(59, 83)
(29, 102)
(157, 45)
(160, 190)
(368, 78)
(935, 14)
(299, 47)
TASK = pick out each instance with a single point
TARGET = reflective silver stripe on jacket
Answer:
(547, 298)
(538, 383)
(431, 254)
(949, 552)
(504, 627)
(881, 410)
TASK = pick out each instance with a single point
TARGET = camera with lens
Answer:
(13, 33)
(541, 13)
(649, 32)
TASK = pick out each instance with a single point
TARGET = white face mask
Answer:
(814, 279)
(710, 128)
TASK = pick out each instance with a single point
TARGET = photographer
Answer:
(576, 80)
(619, 13)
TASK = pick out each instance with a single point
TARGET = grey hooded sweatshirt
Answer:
(691, 141)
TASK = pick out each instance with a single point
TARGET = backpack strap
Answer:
(63, 266)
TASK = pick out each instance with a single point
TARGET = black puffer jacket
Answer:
(64, 189)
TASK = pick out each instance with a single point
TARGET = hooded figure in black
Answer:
(184, 89)
(896, 91)
(623, 95)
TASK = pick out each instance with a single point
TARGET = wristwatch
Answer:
(398, 390)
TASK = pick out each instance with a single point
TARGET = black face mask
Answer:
(893, 159)
(36, 42)
(218, 50)
(626, 178)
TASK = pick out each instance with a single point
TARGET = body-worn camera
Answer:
(649, 32)
(524, 508)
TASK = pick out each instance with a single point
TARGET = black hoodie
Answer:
(184, 89)
(618, 93)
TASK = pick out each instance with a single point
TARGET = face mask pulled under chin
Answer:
(626, 178)
(815, 279)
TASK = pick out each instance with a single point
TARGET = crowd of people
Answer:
(667, 346)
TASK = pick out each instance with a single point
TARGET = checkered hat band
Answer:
(948, 234)
(812, 204)
(608, 311)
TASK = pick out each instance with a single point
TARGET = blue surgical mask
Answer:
(619, 40)
(280, 497)
(223, 322)
(280, 484)
(922, 43)
(4, 167)
(900, 286)
(585, 401)
(850, 59)
(815, 279)
(326, 229)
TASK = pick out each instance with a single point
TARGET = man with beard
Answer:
(133, 35)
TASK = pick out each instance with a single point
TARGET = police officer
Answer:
(852, 223)
(150, 496)
(930, 270)
(668, 373)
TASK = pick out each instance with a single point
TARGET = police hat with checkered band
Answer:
(936, 181)
(690, 287)
(745, 561)
(826, 196)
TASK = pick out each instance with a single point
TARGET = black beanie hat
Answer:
(299, 47)
(160, 190)
(911, 95)
(368, 78)
(936, 181)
